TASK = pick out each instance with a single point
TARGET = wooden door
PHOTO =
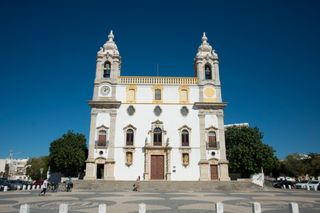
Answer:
(214, 172)
(157, 167)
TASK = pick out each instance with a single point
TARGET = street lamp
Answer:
(41, 171)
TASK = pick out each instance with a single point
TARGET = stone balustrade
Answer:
(157, 80)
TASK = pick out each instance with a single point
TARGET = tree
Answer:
(34, 170)
(68, 154)
(301, 164)
(246, 152)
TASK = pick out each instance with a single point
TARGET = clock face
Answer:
(105, 90)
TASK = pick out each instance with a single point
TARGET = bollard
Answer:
(289, 186)
(33, 187)
(315, 188)
(102, 208)
(63, 208)
(18, 187)
(308, 188)
(29, 187)
(25, 208)
(256, 207)
(142, 208)
(38, 186)
(5, 188)
(219, 207)
(293, 208)
(24, 187)
(284, 186)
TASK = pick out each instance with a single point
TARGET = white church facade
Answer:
(158, 128)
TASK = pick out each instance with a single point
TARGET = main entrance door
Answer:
(157, 167)
(100, 171)
(214, 172)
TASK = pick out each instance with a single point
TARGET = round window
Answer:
(184, 111)
(157, 111)
(101, 152)
(131, 110)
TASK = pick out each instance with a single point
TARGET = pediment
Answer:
(102, 127)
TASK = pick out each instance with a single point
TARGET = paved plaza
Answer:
(271, 200)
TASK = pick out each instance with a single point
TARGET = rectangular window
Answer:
(157, 94)
(184, 95)
(212, 141)
(129, 139)
(131, 95)
(102, 140)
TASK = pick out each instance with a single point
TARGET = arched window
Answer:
(107, 69)
(102, 139)
(208, 72)
(157, 137)
(129, 137)
(212, 138)
(185, 137)
(157, 94)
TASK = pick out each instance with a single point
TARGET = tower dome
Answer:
(109, 47)
(205, 49)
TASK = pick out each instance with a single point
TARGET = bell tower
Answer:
(210, 105)
(104, 107)
(108, 60)
(206, 63)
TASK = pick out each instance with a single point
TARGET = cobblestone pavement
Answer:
(186, 202)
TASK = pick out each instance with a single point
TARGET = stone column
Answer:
(90, 164)
(223, 163)
(99, 69)
(110, 160)
(216, 71)
(203, 163)
(199, 70)
(146, 165)
(168, 164)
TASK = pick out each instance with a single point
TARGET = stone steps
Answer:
(165, 186)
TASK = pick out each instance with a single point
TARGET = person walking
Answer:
(44, 187)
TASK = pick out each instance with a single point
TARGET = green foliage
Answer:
(301, 164)
(35, 165)
(68, 154)
(246, 152)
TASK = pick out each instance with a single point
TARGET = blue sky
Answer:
(269, 63)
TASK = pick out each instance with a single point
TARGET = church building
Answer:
(158, 128)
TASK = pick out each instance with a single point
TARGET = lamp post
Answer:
(41, 171)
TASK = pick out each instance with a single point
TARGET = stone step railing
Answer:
(256, 208)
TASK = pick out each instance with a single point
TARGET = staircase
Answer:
(165, 186)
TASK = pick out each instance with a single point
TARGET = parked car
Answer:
(282, 183)
(287, 179)
(19, 183)
(37, 182)
(302, 184)
(313, 184)
(4, 183)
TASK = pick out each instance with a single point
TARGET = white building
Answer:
(159, 128)
(17, 168)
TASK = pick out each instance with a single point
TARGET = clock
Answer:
(105, 90)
